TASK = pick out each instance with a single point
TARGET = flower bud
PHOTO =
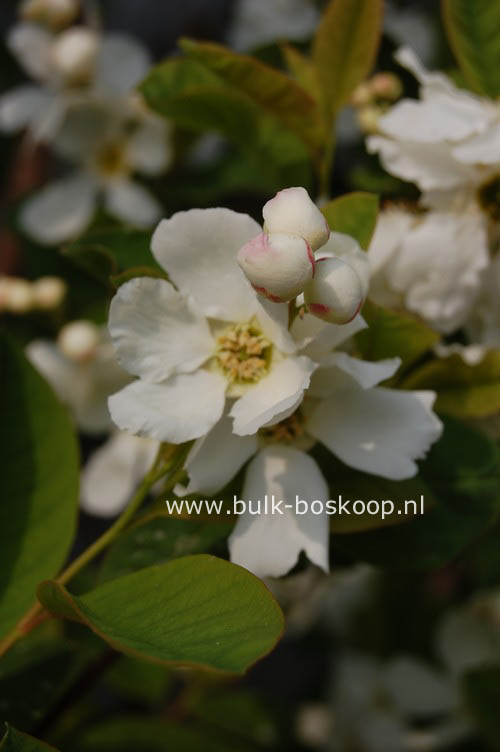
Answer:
(56, 14)
(336, 292)
(362, 95)
(74, 54)
(79, 340)
(278, 266)
(292, 212)
(369, 118)
(49, 292)
(18, 295)
(386, 86)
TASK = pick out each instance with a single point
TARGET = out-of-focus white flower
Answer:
(447, 142)
(364, 425)
(82, 369)
(431, 264)
(56, 14)
(113, 471)
(115, 62)
(260, 22)
(49, 292)
(277, 266)
(483, 325)
(110, 149)
(208, 339)
(292, 212)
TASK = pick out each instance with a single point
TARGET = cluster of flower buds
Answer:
(19, 296)
(56, 14)
(372, 99)
(280, 263)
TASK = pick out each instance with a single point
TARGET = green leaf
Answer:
(344, 48)
(195, 611)
(271, 89)
(472, 29)
(354, 214)
(95, 260)
(39, 470)
(463, 472)
(117, 280)
(349, 484)
(302, 68)
(195, 98)
(103, 252)
(465, 391)
(16, 741)
(158, 539)
(393, 333)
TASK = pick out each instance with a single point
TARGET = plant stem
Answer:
(37, 613)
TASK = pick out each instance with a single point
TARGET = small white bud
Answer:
(74, 54)
(336, 292)
(292, 212)
(49, 292)
(18, 295)
(278, 266)
(56, 14)
(79, 340)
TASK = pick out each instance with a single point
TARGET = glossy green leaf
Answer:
(16, 741)
(158, 539)
(271, 89)
(473, 33)
(354, 214)
(194, 611)
(195, 98)
(463, 390)
(303, 69)
(39, 471)
(463, 471)
(393, 333)
(344, 48)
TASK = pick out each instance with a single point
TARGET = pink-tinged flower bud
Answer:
(18, 295)
(74, 55)
(56, 14)
(278, 266)
(386, 86)
(79, 340)
(292, 212)
(336, 292)
(362, 95)
(49, 292)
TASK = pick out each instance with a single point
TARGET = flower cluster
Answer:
(83, 106)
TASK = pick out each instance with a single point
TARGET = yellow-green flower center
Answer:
(243, 353)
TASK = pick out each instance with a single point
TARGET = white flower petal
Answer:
(112, 473)
(274, 394)
(418, 689)
(121, 64)
(365, 373)
(316, 338)
(60, 211)
(198, 249)
(19, 107)
(216, 458)
(483, 149)
(31, 46)
(132, 203)
(379, 431)
(183, 408)
(430, 166)
(269, 544)
(57, 369)
(148, 149)
(156, 331)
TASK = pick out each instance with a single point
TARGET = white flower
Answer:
(208, 339)
(483, 325)
(82, 369)
(259, 22)
(116, 66)
(447, 142)
(431, 264)
(54, 13)
(373, 429)
(113, 471)
(277, 266)
(109, 149)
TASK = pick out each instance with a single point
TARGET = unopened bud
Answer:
(336, 292)
(79, 340)
(292, 212)
(49, 292)
(362, 95)
(369, 117)
(74, 54)
(278, 266)
(386, 86)
(56, 14)
(18, 295)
